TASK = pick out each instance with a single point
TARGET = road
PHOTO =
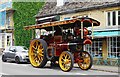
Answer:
(11, 68)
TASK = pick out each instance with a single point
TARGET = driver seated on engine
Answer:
(69, 35)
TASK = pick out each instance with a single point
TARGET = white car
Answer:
(15, 53)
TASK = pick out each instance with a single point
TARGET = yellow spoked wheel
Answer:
(37, 53)
(66, 61)
(87, 61)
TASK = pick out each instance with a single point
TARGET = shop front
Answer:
(105, 48)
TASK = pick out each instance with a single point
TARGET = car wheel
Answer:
(17, 60)
(4, 58)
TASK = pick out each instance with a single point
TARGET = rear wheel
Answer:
(37, 53)
(66, 61)
(86, 62)
(4, 58)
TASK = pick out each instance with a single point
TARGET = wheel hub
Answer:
(66, 61)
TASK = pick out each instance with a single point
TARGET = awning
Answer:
(106, 33)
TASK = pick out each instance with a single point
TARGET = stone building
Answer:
(6, 24)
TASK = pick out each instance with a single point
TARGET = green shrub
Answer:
(24, 16)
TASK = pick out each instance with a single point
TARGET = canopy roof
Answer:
(87, 22)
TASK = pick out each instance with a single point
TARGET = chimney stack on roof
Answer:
(60, 2)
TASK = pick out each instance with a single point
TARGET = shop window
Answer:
(113, 18)
(95, 49)
(113, 47)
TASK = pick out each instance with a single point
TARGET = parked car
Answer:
(15, 53)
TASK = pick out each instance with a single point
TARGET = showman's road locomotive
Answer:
(63, 44)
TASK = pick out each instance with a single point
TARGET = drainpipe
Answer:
(104, 49)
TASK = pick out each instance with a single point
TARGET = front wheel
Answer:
(85, 61)
(66, 61)
(17, 60)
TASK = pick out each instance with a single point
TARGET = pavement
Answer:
(114, 69)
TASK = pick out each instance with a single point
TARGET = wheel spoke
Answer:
(40, 59)
(87, 60)
(36, 45)
(32, 54)
(35, 57)
(40, 55)
(66, 56)
(69, 61)
(34, 51)
(40, 47)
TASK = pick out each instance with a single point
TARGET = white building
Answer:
(6, 24)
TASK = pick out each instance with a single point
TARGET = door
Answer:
(12, 52)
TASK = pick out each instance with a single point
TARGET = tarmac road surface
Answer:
(11, 68)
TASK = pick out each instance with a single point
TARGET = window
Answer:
(8, 19)
(8, 40)
(113, 18)
(2, 18)
(118, 17)
(108, 18)
(95, 49)
(12, 48)
(113, 44)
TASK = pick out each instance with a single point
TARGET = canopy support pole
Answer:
(92, 30)
(82, 34)
(81, 29)
(53, 31)
(33, 33)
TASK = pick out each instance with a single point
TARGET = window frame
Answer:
(111, 18)
(92, 49)
(111, 47)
